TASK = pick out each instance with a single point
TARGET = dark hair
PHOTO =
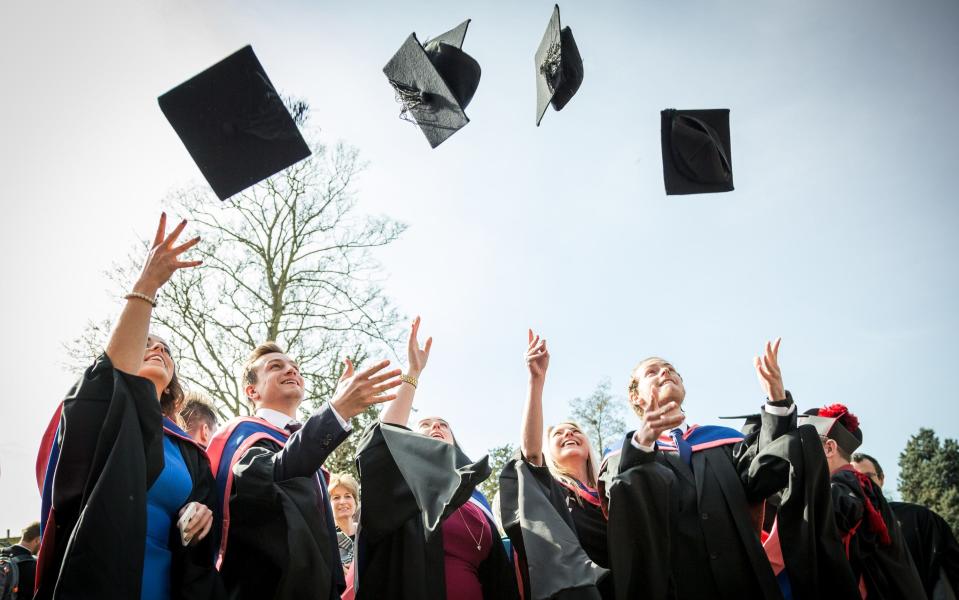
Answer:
(31, 532)
(197, 408)
(172, 397)
(861, 456)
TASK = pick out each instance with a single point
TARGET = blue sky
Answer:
(840, 236)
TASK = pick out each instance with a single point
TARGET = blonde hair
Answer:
(592, 463)
(346, 481)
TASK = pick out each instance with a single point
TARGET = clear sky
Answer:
(840, 236)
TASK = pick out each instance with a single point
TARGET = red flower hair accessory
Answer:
(841, 412)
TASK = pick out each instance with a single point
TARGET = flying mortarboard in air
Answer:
(234, 124)
(434, 82)
(559, 67)
(697, 158)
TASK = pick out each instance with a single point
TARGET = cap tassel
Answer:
(409, 98)
(551, 64)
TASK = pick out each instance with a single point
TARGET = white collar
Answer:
(274, 417)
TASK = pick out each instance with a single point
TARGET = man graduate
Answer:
(930, 540)
(874, 544)
(680, 500)
(277, 537)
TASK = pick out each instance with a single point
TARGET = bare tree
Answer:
(290, 260)
(601, 415)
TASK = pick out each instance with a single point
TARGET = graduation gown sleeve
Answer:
(410, 484)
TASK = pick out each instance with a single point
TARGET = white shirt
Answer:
(281, 420)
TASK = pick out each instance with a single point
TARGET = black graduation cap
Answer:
(751, 422)
(836, 423)
(559, 67)
(434, 82)
(234, 124)
(697, 158)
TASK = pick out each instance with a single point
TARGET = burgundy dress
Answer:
(461, 530)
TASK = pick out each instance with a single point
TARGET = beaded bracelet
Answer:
(409, 379)
(140, 296)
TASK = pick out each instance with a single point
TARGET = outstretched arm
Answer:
(531, 435)
(398, 411)
(129, 337)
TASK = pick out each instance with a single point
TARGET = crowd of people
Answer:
(145, 496)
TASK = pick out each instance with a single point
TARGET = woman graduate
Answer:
(126, 493)
(556, 505)
(425, 532)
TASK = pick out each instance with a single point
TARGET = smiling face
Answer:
(157, 363)
(655, 381)
(277, 384)
(568, 445)
(436, 428)
(344, 504)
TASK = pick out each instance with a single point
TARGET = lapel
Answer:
(676, 464)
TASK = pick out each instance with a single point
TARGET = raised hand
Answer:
(657, 420)
(355, 392)
(537, 356)
(417, 356)
(163, 260)
(767, 370)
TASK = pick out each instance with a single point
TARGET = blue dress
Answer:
(164, 499)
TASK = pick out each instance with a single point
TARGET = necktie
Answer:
(684, 448)
(293, 427)
(318, 478)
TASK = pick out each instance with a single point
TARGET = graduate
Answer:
(874, 544)
(681, 499)
(127, 494)
(549, 502)
(277, 537)
(426, 532)
(930, 540)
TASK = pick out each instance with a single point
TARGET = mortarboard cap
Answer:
(234, 124)
(836, 423)
(559, 67)
(435, 82)
(751, 422)
(697, 158)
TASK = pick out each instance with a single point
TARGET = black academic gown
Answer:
(561, 545)
(410, 484)
(689, 533)
(885, 567)
(806, 533)
(111, 452)
(933, 548)
(281, 542)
